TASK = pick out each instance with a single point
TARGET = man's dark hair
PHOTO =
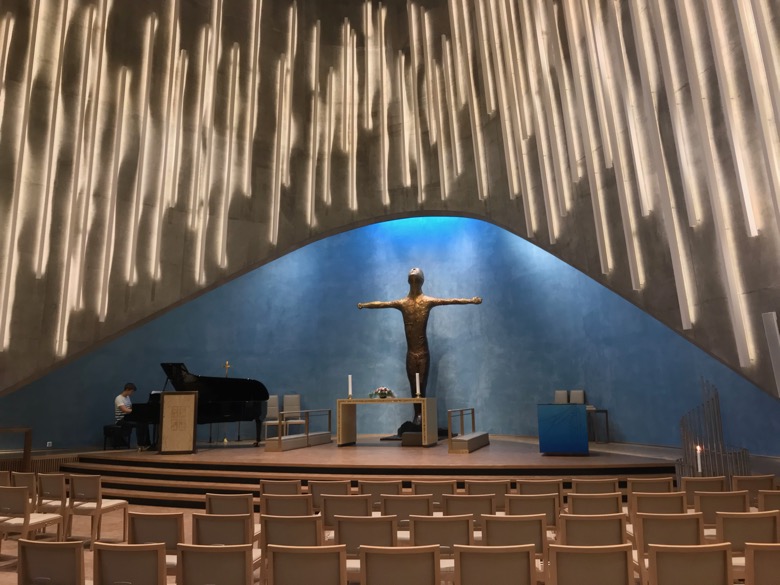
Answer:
(129, 386)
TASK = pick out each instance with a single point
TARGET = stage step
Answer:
(469, 443)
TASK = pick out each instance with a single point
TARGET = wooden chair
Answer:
(243, 503)
(272, 417)
(649, 485)
(410, 565)
(753, 484)
(86, 499)
(653, 503)
(590, 565)
(739, 528)
(602, 485)
(404, 505)
(768, 500)
(672, 529)
(527, 504)
(602, 503)
(52, 495)
(355, 531)
(42, 561)
(286, 505)
(378, 488)
(291, 412)
(686, 564)
(290, 531)
(476, 504)
(690, 485)
(164, 527)
(435, 489)
(115, 564)
(5, 477)
(592, 530)
(29, 480)
(352, 505)
(318, 488)
(446, 531)
(503, 530)
(280, 486)
(296, 565)
(541, 486)
(709, 503)
(762, 564)
(209, 564)
(498, 488)
(17, 517)
(497, 565)
(225, 529)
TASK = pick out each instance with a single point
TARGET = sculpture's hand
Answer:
(360, 305)
(477, 300)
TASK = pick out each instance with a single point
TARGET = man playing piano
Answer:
(124, 406)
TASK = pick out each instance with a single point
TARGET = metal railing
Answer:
(286, 417)
(461, 414)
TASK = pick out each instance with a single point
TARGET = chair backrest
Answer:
(355, 531)
(611, 503)
(525, 504)
(561, 397)
(496, 487)
(701, 484)
(14, 501)
(762, 563)
(25, 479)
(591, 565)
(753, 483)
(209, 564)
(377, 488)
(446, 531)
(648, 485)
(541, 486)
(497, 565)
(44, 561)
(602, 485)
(147, 527)
(502, 530)
(686, 564)
(592, 530)
(317, 488)
(222, 528)
(52, 487)
(404, 505)
(230, 504)
(115, 564)
(295, 565)
(656, 503)
(5, 477)
(291, 405)
(280, 486)
(677, 529)
(576, 396)
(768, 500)
(739, 528)
(85, 488)
(410, 565)
(476, 504)
(436, 489)
(273, 407)
(708, 503)
(290, 530)
(286, 504)
(351, 505)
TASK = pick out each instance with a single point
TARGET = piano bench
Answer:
(119, 436)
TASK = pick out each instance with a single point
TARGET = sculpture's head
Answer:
(416, 276)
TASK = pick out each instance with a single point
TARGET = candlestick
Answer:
(349, 385)
(698, 458)
(417, 383)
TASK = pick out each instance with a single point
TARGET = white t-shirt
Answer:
(121, 401)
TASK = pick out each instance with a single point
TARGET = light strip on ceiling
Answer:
(483, 48)
(414, 44)
(455, 28)
(253, 93)
(403, 116)
(450, 94)
(230, 139)
(383, 98)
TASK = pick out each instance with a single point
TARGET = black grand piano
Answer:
(219, 399)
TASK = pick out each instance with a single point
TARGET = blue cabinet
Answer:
(563, 429)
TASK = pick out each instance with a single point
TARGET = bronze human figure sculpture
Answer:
(415, 308)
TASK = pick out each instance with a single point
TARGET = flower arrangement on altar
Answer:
(382, 392)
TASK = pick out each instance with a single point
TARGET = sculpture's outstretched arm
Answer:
(472, 301)
(380, 305)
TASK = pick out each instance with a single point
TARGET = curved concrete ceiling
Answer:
(152, 150)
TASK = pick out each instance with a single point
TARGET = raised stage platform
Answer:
(148, 477)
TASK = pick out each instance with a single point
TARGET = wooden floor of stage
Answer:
(507, 454)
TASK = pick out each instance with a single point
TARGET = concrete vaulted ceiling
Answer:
(151, 150)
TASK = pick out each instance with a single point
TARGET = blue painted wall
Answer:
(294, 325)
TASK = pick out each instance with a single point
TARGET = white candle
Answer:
(349, 385)
(417, 383)
(698, 458)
